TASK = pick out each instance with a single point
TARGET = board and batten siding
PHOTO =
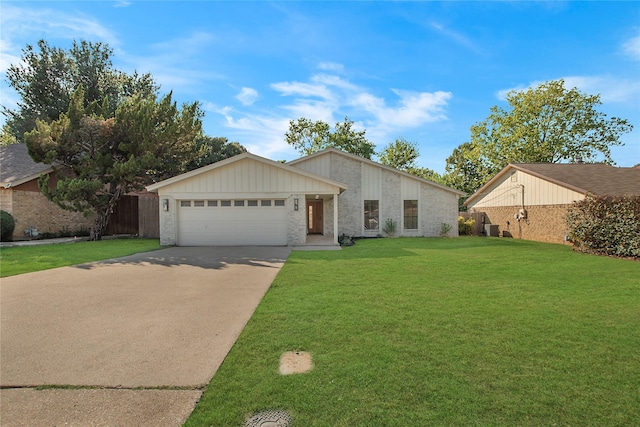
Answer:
(247, 178)
(509, 192)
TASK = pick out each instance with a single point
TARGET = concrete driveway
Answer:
(143, 334)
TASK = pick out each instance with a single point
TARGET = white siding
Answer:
(371, 179)
(246, 177)
(509, 192)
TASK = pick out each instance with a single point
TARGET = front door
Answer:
(314, 217)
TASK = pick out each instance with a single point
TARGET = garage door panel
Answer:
(232, 226)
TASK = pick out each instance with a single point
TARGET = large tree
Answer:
(146, 140)
(213, 149)
(400, 154)
(309, 136)
(547, 123)
(46, 78)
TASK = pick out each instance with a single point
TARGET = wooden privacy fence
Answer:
(479, 218)
(136, 214)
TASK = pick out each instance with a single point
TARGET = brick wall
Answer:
(31, 208)
(543, 223)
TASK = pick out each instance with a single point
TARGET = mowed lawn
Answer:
(26, 259)
(440, 332)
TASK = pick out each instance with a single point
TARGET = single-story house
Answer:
(251, 200)
(530, 200)
(34, 214)
(22, 198)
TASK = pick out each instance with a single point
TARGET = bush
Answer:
(465, 227)
(7, 225)
(606, 225)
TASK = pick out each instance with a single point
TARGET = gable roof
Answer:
(237, 158)
(17, 167)
(379, 165)
(596, 178)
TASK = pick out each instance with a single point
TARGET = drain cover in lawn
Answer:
(272, 418)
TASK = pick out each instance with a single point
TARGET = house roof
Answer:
(371, 162)
(595, 178)
(239, 157)
(17, 167)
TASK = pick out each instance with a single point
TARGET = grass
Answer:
(26, 259)
(442, 332)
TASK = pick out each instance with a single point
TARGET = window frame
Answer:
(368, 216)
(410, 219)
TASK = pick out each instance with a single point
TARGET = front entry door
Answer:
(314, 217)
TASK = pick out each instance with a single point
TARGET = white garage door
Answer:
(232, 222)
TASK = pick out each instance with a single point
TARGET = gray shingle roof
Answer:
(16, 166)
(594, 178)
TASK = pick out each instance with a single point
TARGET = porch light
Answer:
(295, 204)
(165, 205)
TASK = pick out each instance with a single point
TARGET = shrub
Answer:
(465, 227)
(7, 225)
(390, 227)
(445, 229)
(606, 225)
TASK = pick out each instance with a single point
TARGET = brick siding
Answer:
(32, 209)
(543, 223)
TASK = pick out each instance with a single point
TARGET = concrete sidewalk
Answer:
(124, 329)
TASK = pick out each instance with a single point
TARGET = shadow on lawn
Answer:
(203, 257)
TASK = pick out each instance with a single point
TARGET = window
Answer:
(238, 203)
(185, 203)
(252, 203)
(225, 203)
(198, 203)
(212, 203)
(371, 215)
(279, 203)
(265, 202)
(410, 214)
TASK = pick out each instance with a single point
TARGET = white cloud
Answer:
(247, 96)
(21, 22)
(122, 4)
(330, 98)
(331, 66)
(631, 48)
(611, 89)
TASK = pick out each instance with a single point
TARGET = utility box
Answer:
(491, 230)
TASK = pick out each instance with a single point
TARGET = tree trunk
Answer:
(102, 218)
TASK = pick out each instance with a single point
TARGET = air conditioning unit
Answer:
(491, 230)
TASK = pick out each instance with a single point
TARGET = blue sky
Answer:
(424, 71)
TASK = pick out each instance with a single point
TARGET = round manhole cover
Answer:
(272, 418)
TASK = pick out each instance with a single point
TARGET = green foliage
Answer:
(390, 227)
(308, 137)
(465, 227)
(46, 79)
(400, 154)
(544, 124)
(213, 149)
(445, 229)
(147, 140)
(606, 225)
(7, 225)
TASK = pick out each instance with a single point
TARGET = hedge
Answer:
(7, 225)
(606, 225)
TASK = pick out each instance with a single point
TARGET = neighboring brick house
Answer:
(33, 213)
(250, 200)
(530, 200)
(21, 197)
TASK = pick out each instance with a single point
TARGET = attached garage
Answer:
(232, 222)
(246, 200)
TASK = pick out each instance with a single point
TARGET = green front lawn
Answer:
(25, 259)
(440, 332)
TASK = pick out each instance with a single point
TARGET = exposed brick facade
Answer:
(543, 223)
(32, 209)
